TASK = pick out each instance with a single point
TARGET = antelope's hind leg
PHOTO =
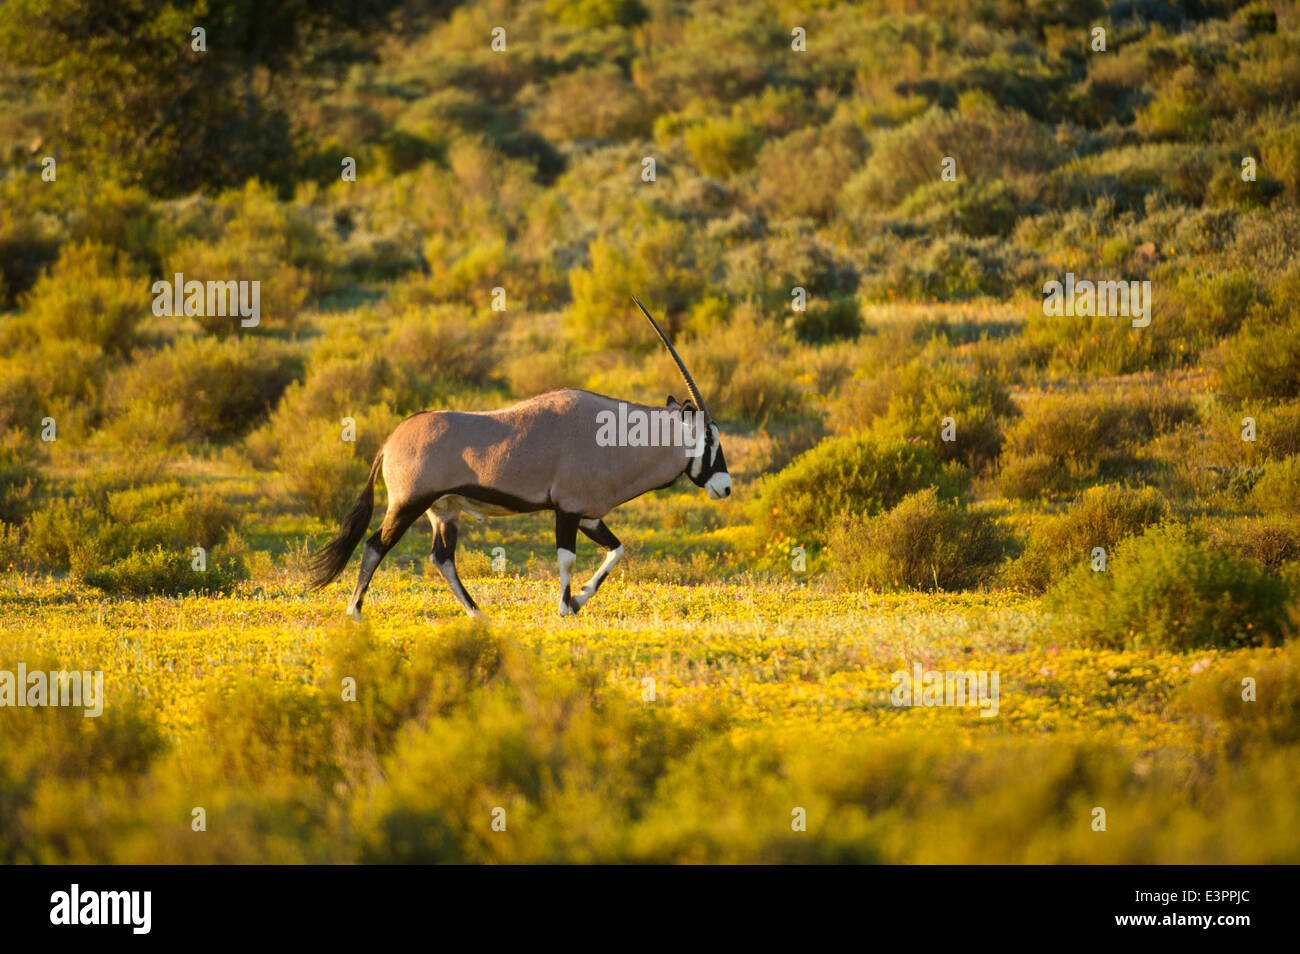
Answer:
(601, 535)
(396, 522)
(444, 558)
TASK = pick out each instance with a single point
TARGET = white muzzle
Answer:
(718, 486)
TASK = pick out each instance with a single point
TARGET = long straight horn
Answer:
(681, 366)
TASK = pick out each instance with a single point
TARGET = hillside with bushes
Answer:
(846, 215)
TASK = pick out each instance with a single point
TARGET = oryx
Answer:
(558, 451)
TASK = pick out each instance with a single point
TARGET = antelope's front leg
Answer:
(605, 539)
(566, 555)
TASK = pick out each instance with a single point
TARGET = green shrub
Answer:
(165, 572)
(1273, 540)
(1099, 517)
(827, 320)
(952, 267)
(913, 401)
(722, 147)
(1086, 435)
(923, 543)
(1263, 360)
(1257, 18)
(19, 475)
(282, 291)
(304, 438)
(396, 151)
(466, 274)
(1122, 178)
(766, 271)
(1099, 344)
(539, 365)
(12, 554)
(1000, 144)
(433, 350)
(164, 515)
(336, 385)
(1074, 430)
(1268, 241)
(204, 389)
(323, 472)
(1191, 307)
(593, 14)
(780, 110)
(1278, 430)
(1281, 157)
(48, 380)
(250, 236)
(1267, 720)
(1169, 590)
(857, 474)
(98, 526)
(660, 264)
(1213, 306)
(1227, 188)
(58, 529)
(976, 207)
(90, 294)
(742, 368)
(565, 748)
(598, 102)
(1177, 111)
(119, 215)
(43, 745)
(1278, 488)
(1032, 476)
(800, 175)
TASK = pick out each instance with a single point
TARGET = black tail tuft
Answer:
(328, 562)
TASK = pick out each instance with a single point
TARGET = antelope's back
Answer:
(521, 451)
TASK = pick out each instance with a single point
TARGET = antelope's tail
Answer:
(328, 562)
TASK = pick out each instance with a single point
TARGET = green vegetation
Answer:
(925, 461)
(238, 706)
(1100, 517)
(923, 543)
(847, 475)
(1168, 589)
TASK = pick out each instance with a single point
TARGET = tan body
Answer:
(542, 454)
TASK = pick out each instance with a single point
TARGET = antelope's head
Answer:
(708, 465)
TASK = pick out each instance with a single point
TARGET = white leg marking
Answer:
(566, 560)
(589, 589)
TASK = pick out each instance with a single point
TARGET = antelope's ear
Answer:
(688, 406)
(672, 402)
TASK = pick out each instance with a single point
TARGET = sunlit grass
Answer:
(794, 674)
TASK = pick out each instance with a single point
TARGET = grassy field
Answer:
(848, 217)
(670, 722)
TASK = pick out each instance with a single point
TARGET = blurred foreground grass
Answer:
(668, 723)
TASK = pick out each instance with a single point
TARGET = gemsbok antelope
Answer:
(568, 451)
